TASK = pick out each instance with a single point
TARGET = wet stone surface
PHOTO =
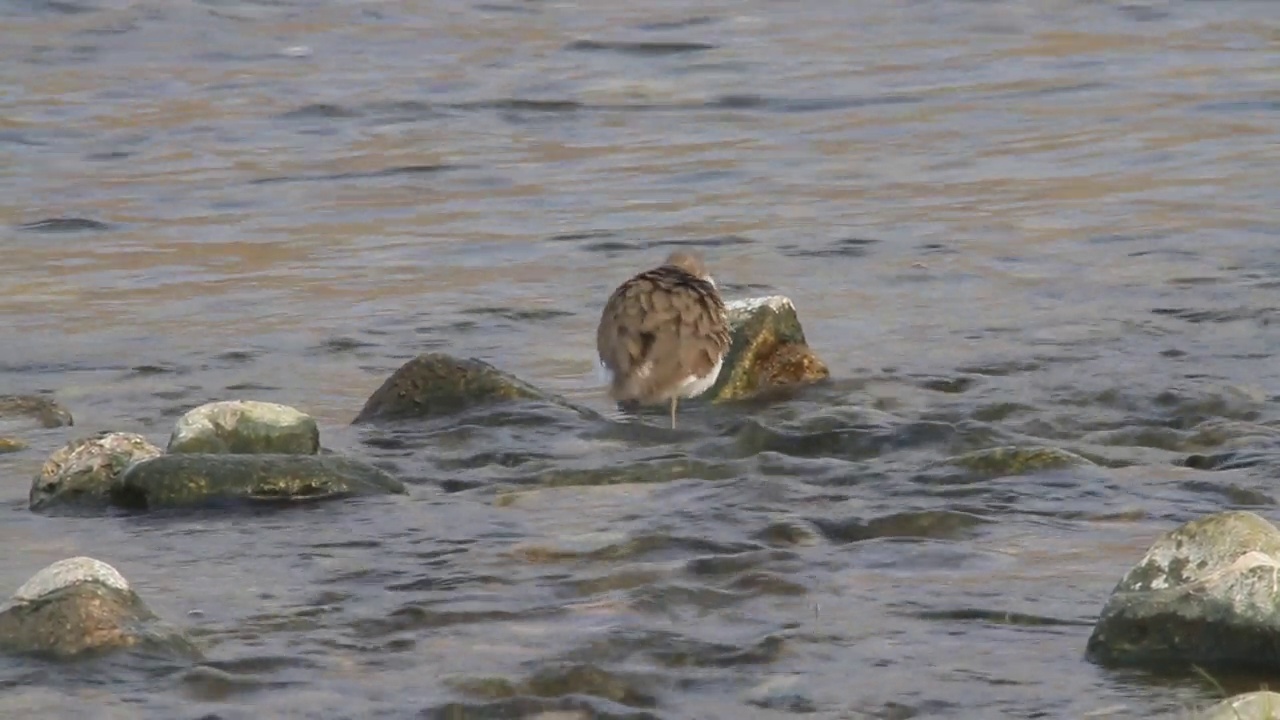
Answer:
(245, 426)
(83, 472)
(1207, 594)
(41, 409)
(190, 480)
(434, 385)
(82, 607)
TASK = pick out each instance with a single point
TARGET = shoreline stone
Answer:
(1205, 594)
(245, 427)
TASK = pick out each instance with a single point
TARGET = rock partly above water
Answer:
(11, 445)
(435, 384)
(195, 480)
(245, 426)
(82, 606)
(83, 471)
(1206, 594)
(220, 452)
(42, 409)
(769, 350)
(1261, 705)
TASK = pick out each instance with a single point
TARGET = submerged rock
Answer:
(1232, 435)
(768, 351)
(11, 445)
(435, 384)
(1205, 594)
(79, 606)
(245, 426)
(83, 471)
(198, 479)
(1261, 705)
(1014, 460)
(558, 681)
(41, 408)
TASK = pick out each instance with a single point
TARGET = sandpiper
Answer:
(663, 333)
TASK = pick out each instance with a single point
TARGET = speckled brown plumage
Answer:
(661, 331)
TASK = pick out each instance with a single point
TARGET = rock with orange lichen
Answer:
(81, 606)
(769, 351)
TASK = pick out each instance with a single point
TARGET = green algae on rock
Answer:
(40, 408)
(82, 606)
(83, 471)
(768, 350)
(201, 479)
(436, 384)
(1014, 460)
(1206, 594)
(1260, 705)
(245, 427)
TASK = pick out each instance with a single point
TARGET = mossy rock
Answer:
(1013, 460)
(203, 479)
(435, 384)
(1206, 594)
(245, 427)
(768, 351)
(82, 606)
(41, 408)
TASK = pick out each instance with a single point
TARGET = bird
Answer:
(664, 334)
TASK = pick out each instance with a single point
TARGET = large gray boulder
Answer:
(1206, 594)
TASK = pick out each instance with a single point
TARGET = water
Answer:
(1002, 222)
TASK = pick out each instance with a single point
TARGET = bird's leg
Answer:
(673, 413)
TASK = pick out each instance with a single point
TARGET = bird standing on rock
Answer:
(663, 334)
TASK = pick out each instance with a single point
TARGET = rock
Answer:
(1014, 460)
(195, 479)
(245, 427)
(11, 445)
(41, 408)
(1205, 594)
(768, 351)
(83, 471)
(556, 681)
(1232, 435)
(434, 384)
(81, 605)
(784, 693)
(1260, 705)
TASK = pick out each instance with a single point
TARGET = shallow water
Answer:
(1002, 222)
